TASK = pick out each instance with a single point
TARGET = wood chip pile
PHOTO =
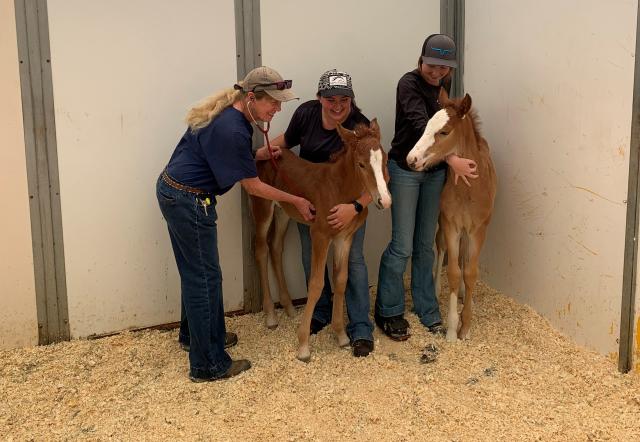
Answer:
(515, 379)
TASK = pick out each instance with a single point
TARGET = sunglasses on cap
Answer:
(278, 85)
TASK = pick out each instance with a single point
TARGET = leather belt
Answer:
(176, 185)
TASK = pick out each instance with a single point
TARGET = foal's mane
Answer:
(361, 130)
(475, 121)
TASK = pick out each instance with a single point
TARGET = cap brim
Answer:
(440, 62)
(283, 95)
(337, 91)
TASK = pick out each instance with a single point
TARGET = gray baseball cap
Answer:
(439, 49)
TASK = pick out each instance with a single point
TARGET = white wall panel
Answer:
(124, 75)
(376, 42)
(553, 83)
(18, 317)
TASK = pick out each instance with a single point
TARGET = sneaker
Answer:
(437, 329)
(316, 326)
(235, 369)
(395, 327)
(230, 340)
(362, 348)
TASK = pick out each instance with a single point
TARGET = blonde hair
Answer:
(206, 110)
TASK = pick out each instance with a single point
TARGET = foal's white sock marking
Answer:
(375, 158)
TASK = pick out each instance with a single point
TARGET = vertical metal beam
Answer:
(42, 169)
(629, 277)
(452, 24)
(249, 56)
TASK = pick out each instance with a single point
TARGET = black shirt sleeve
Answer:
(412, 102)
(293, 134)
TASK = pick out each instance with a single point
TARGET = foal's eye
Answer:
(444, 133)
(361, 165)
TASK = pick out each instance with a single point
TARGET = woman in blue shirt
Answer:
(215, 153)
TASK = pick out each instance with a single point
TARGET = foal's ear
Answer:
(375, 127)
(348, 136)
(465, 105)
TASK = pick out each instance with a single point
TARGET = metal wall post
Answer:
(249, 56)
(452, 24)
(42, 170)
(629, 277)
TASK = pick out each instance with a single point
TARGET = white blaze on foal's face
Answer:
(418, 157)
(375, 158)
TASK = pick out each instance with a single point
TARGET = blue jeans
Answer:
(414, 217)
(194, 239)
(356, 292)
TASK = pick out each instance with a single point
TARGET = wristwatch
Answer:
(357, 205)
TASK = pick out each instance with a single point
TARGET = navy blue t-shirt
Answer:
(216, 156)
(317, 143)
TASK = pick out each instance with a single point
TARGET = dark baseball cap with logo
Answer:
(335, 82)
(439, 49)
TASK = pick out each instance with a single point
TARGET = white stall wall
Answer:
(124, 75)
(553, 84)
(376, 42)
(18, 317)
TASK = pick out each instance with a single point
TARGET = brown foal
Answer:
(465, 211)
(361, 166)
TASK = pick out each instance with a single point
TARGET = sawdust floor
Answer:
(515, 379)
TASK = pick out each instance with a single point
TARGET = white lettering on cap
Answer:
(338, 80)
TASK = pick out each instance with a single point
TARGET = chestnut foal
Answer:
(360, 166)
(465, 211)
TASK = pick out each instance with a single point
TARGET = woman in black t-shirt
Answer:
(313, 127)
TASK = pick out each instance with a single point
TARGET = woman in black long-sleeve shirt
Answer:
(416, 195)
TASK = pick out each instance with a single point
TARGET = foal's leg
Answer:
(453, 272)
(441, 249)
(341, 248)
(462, 258)
(319, 250)
(281, 222)
(262, 215)
(476, 239)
